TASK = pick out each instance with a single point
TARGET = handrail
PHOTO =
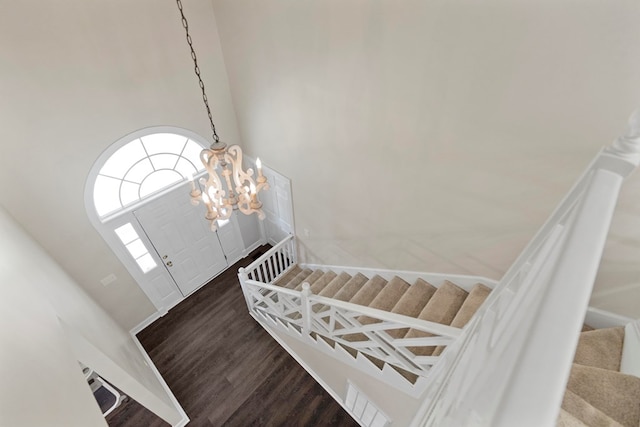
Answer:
(520, 345)
(268, 254)
(275, 288)
(387, 316)
(341, 322)
(361, 310)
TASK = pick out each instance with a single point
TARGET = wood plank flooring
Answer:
(225, 369)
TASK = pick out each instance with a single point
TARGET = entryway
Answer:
(191, 253)
(137, 198)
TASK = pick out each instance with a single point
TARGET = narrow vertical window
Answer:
(136, 247)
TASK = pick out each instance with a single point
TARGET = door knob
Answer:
(169, 263)
(165, 257)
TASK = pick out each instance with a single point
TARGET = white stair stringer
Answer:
(266, 317)
(630, 363)
(388, 375)
(293, 330)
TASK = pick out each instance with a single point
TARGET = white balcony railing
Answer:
(509, 366)
(512, 362)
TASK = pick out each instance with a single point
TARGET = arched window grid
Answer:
(150, 170)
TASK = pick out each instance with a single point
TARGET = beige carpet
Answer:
(597, 394)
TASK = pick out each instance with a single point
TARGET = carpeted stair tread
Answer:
(299, 278)
(310, 279)
(288, 276)
(412, 303)
(586, 328)
(565, 419)
(444, 305)
(369, 291)
(441, 308)
(322, 282)
(351, 287)
(335, 285)
(345, 293)
(364, 296)
(585, 413)
(380, 294)
(615, 394)
(390, 295)
(386, 298)
(601, 348)
(331, 289)
(474, 300)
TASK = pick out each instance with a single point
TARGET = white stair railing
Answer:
(272, 265)
(342, 322)
(512, 362)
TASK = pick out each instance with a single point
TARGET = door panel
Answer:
(277, 205)
(249, 227)
(190, 251)
(231, 239)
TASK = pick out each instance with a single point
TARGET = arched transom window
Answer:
(142, 167)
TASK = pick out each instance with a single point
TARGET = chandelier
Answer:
(227, 187)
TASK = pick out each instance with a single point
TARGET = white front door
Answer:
(181, 236)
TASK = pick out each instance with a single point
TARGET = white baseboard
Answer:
(253, 247)
(146, 322)
(598, 318)
(185, 418)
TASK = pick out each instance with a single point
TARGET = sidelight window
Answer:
(136, 247)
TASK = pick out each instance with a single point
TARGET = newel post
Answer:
(627, 146)
(243, 276)
(306, 308)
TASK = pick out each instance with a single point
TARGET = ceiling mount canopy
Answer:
(227, 187)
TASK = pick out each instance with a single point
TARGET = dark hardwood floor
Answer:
(225, 369)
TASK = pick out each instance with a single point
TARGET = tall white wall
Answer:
(49, 324)
(41, 383)
(76, 76)
(436, 135)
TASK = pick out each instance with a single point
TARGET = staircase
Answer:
(597, 393)
(469, 351)
(448, 305)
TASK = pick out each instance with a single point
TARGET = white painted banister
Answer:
(406, 321)
(521, 343)
(340, 321)
(552, 341)
(510, 364)
(411, 322)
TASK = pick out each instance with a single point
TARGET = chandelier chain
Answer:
(196, 69)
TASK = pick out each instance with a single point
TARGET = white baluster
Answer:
(306, 307)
